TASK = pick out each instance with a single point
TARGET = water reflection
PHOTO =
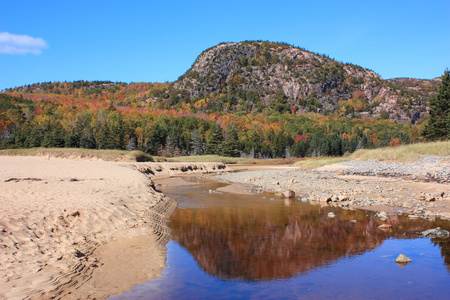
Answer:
(250, 247)
(267, 240)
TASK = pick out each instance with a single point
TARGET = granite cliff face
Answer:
(281, 77)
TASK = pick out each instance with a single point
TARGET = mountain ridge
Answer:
(309, 82)
(261, 76)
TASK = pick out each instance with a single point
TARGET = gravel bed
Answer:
(428, 168)
(376, 187)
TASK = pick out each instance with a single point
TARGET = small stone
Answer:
(413, 216)
(430, 198)
(331, 215)
(439, 194)
(334, 198)
(406, 205)
(421, 198)
(343, 197)
(403, 259)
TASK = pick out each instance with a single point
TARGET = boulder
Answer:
(436, 233)
(403, 259)
(325, 199)
(382, 215)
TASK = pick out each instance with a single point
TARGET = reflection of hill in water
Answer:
(265, 242)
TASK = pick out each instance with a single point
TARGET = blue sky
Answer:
(157, 41)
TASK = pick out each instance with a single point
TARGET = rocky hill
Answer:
(250, 76)
(254, 77)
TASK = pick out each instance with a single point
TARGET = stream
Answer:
(231, 246)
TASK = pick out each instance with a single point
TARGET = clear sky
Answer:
(157, 41)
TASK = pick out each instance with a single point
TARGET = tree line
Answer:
(29, 123)
(104, 115)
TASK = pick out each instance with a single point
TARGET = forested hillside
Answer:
(253, 99)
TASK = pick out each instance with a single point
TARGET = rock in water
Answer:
(289, 194)
(403, 259)
(385, 226)
(382, 215)
(436, 233)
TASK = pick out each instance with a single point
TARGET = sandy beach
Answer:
(88, 229)
(82, 229)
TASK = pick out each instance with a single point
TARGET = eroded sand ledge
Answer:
(82, 229)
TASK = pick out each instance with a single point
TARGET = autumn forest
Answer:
(166, 119)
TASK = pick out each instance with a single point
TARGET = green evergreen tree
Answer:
(196, 143)
(215, 143)
(438, 127)
(231, 144)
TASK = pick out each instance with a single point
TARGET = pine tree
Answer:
(438, 127)
(230, 146)
(196, 143)
(215, 143)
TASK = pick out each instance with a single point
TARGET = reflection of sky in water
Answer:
(373, 275)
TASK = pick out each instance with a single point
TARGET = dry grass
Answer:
(404, 153)
(317, 162)
(207, 158)
(275, 161)
(109, 155)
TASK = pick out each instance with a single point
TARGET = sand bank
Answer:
(76, 229)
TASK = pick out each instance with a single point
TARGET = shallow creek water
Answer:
(228, 246)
